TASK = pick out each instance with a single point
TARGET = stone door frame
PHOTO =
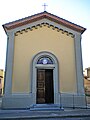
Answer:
(53, 66)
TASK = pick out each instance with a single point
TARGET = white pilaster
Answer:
(9, 63)
(79, 66)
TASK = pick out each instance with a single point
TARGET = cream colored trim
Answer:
(45, 66)
(79, 66)
(9, 63)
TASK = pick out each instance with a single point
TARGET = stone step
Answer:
(46, 107)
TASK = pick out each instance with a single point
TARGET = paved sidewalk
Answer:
(42, 115)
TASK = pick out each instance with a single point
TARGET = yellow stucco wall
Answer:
(28, 44)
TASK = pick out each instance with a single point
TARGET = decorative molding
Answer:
(45, 25)
(40, 16)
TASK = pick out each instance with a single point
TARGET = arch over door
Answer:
(46, 64)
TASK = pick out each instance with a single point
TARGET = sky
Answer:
(75, 11)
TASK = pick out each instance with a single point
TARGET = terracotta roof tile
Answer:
(40, 16)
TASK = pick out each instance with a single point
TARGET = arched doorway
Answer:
(45, 81)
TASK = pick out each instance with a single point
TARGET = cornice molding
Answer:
(44, 25)
(40, 16)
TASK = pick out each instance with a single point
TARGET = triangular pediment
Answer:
(40, 16)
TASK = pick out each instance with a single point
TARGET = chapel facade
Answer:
(44, 62)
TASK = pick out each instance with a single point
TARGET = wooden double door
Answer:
(45, 89)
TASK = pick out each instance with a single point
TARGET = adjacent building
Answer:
(1, 81)
(87, 81)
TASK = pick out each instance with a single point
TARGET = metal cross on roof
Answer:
(44, 6)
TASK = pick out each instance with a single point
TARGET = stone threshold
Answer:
(37, 107)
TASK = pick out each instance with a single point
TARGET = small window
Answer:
(45, 60)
